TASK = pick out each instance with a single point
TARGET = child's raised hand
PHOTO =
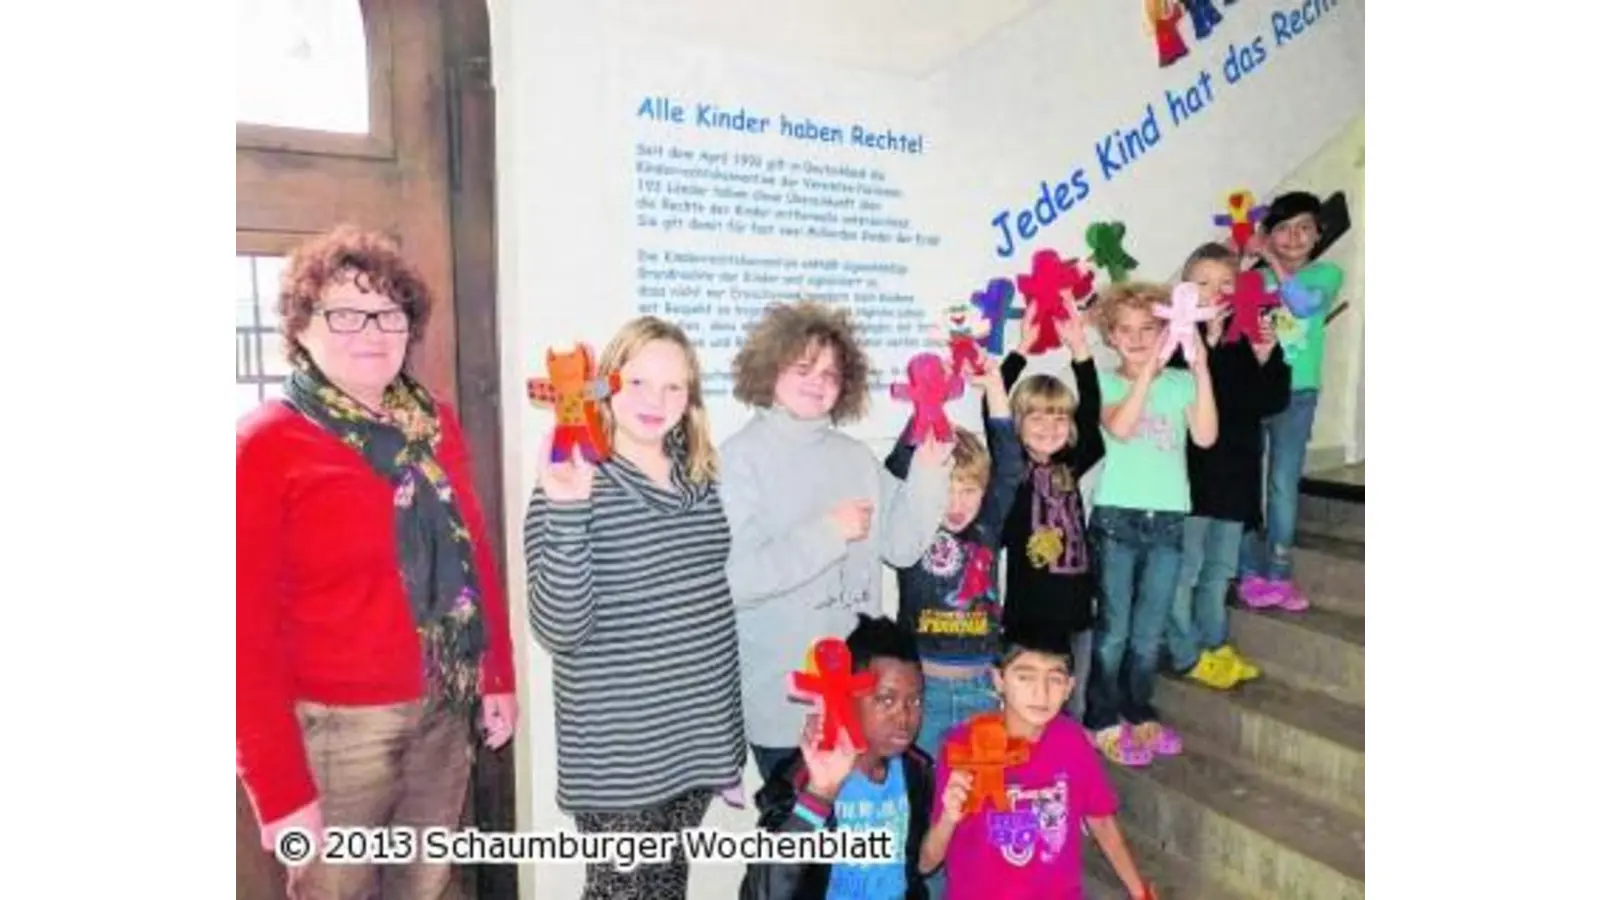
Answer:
(1198, 364)
(988, 377)
(933, 453)
(954, 801)
(828, 769)
(571, 481)
(1074, 331)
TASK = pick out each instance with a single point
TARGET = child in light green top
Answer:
(1137, 525)
(1307, 291)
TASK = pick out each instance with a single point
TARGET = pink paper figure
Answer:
(929, 386)
(1043, 287)
(1249, 299)
(1182, 315)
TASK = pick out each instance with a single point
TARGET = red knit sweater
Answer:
(322, 612)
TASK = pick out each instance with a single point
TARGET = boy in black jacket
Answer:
(1251, 382)
(888, 784)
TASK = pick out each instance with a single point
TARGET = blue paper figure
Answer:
(1204, 15)
(994, 304)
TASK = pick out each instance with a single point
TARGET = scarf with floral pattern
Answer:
(401, 444)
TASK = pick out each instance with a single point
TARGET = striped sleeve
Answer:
(561, 595)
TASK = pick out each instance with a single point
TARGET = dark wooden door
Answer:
(377, 113)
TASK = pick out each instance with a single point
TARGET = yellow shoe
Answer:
(1245, 669)
(1214, 672)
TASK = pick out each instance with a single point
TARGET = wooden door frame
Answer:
(470, 123)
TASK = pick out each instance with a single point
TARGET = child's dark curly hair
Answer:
(789, 332)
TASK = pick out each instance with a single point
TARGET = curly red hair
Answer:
(370, 257)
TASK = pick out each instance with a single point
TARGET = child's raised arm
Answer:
(556, 543)
(1005, 455)
(1201, 412)
(909, 511)
(1121, 418)
(763, 564)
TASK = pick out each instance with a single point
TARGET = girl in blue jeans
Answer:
(1136, 529)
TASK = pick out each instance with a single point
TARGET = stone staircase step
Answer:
(1256, 837)
(1174, 877)
(1328, 517)
(1332, 573)
(1305, 740)
(1318, 650)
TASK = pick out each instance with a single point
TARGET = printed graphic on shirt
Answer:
(966, 608)
(1036, 826)
(864, 806)
(1057, 541)
(1158, 430)
(1291, 332)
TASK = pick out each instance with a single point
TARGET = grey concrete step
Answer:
(1333, 573)
(1252, 835)
(1174, 877)
(1329, 517)
(1304, 740)
(1317, 650)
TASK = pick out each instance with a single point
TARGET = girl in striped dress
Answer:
(628, 590)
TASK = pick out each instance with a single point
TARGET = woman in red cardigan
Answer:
(371, 620)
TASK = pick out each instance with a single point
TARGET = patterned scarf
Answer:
(435, 546)
(1057, 542)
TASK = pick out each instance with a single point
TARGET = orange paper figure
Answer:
(986, 754)
(828, 682)
(574, 392)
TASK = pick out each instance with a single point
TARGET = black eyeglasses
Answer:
(351, 321)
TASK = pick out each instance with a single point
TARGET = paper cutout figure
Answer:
(994, 304)
(1241, 219)
(1043, 288)
(1105, 246)
(975, 575)
(928, 388)
(1161, 17)
(1182, 315)
(964, 328)
(1205, 16)
(1249, 299)
(986, 754)
(827, 682)
(573, 391)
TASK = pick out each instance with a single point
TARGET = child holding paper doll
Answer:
(1140, 502)
(1307, 290)
(813, 513)
(1251, 383)
(1056, 790)
(628, 590)
(1049, 568)
(950, 598)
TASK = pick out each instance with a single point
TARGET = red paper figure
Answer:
(574, 392)
(964, 329)
(1043, 288)
(1241, 218)
(929, 388)
(986, 754)
(975, 576)
(1162, 16)
(1250, 298)
(828, 682)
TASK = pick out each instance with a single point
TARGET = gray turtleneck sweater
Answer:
(794, 578)
(629, 593)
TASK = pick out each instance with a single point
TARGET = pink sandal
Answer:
(1118, 745)
(1167, 743)
(1257, 592)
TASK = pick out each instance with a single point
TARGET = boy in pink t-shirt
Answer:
(1034, 850)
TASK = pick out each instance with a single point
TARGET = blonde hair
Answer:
(695, 427)
(971, 458)
(1129, 295)
(1047, 395)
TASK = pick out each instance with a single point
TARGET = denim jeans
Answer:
(1139, 552)
(1199, 619)
(1286, 436)
(1082, 659)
